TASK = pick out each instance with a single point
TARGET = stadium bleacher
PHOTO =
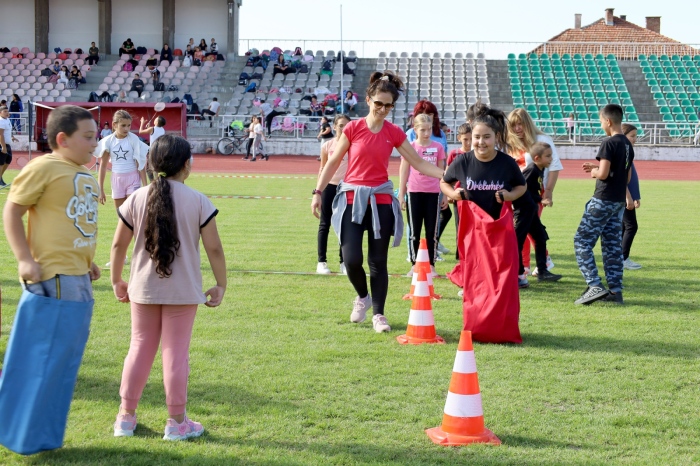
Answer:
(674, 83)
(452, 83)
(552, 88)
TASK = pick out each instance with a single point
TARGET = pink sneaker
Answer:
(124, 425)
(188, 429)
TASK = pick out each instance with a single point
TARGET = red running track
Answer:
(307, 165)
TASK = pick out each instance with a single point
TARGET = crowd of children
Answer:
(166, 220)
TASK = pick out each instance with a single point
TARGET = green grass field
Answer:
(281, 377)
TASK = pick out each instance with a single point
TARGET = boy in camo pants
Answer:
(603, 214)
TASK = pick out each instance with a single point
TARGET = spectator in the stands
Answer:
(106, 130)
(56, 68)
(76, 74)
(137, 84)
(191, 44)
(268, 113)
(121, 97)
(127, 48)
(349, 102)
(203, 45)
(281, 66)
(63, 74)
(16, 108)
(154, 73)
(189, 51)
(198, 56)
(93, 54)
(213, 108)
(316, 107)
(213, 48)
(166, 53)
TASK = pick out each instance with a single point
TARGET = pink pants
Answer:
(151, 324)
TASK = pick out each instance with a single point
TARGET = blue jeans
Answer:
(76, 288)
(601, 219)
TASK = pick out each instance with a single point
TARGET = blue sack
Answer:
(40, 370)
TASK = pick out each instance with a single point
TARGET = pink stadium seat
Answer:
(4, 61)
(124, 74)
(19, 79)
(60, 99)
(19, 92)
(60, 86)
(31, 93)
(49, 99)
(14, 50)
(14, 61)
(43, 93)
(41, 55)
(65, 93)
(79, 62)
(14, 72)
(25, 61)
(36, 73)
(108, 80)
(3, 85)
(73, 56)
(112, 74)
(31, 79)
(103, 87)
(41, 79)
(54, 93)
(30, 55)
(119, 80)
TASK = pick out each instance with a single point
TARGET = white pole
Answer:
(342, 58)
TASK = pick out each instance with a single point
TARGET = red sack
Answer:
(488, 274)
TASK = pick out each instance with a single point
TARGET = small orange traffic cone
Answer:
(421, 323)
(422, 263)
(463, 419)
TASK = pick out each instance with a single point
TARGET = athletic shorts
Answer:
(5, 159)
(124, 184)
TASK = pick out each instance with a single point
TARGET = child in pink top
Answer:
(166, 220)
(423, 191)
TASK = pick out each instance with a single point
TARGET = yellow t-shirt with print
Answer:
(62, 217)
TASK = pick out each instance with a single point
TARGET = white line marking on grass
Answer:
(259, 176)
(251, 197)
(275, 272)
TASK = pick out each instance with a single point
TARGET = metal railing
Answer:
(494, 50)
(301, 127)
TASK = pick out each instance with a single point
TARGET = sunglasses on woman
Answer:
(378, 105)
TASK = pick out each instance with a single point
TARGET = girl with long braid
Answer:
(167, 220)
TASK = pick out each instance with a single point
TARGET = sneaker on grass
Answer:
(548, 276)
(187, 429)
(410, 272)
(380, 324)
(124, 425)
(629, 264)
(442, 249)
(322, 268)
(342, 271)
(522, 281)
(550, 266)
(359, 309)
(592, 294)
(615, 298)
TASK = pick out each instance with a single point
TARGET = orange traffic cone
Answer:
(463, 419)
(421, 323)
(422, 263)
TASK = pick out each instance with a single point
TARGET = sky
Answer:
(453, 20)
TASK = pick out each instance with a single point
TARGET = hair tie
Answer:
(384, 78)
(162, 174)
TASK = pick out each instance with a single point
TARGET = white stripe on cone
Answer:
(421, 289)
(463, 405)
(422, 256)
(421, 318)
(465, 363)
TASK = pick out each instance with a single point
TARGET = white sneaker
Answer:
(342, 269)
(410, 273)
(461, 293)
(322, 268)
(442, 249)
(439, 258)
(550, 263)
(359, 309)
(380, 324)
(629, 264)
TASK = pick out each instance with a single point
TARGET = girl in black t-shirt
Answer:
(487, 176)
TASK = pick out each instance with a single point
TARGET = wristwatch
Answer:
(316, 191)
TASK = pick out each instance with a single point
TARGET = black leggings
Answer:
(324, 225)
(528, 222)
(629, 231)
(248, 146)
(377, 251)
(423, 208)
(268, 119)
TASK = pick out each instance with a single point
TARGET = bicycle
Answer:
(234, 142)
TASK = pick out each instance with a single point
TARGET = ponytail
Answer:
(168, 156)
(384, 82)
(494, 119)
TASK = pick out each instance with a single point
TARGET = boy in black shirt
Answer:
(603, 215)
(525, 214)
